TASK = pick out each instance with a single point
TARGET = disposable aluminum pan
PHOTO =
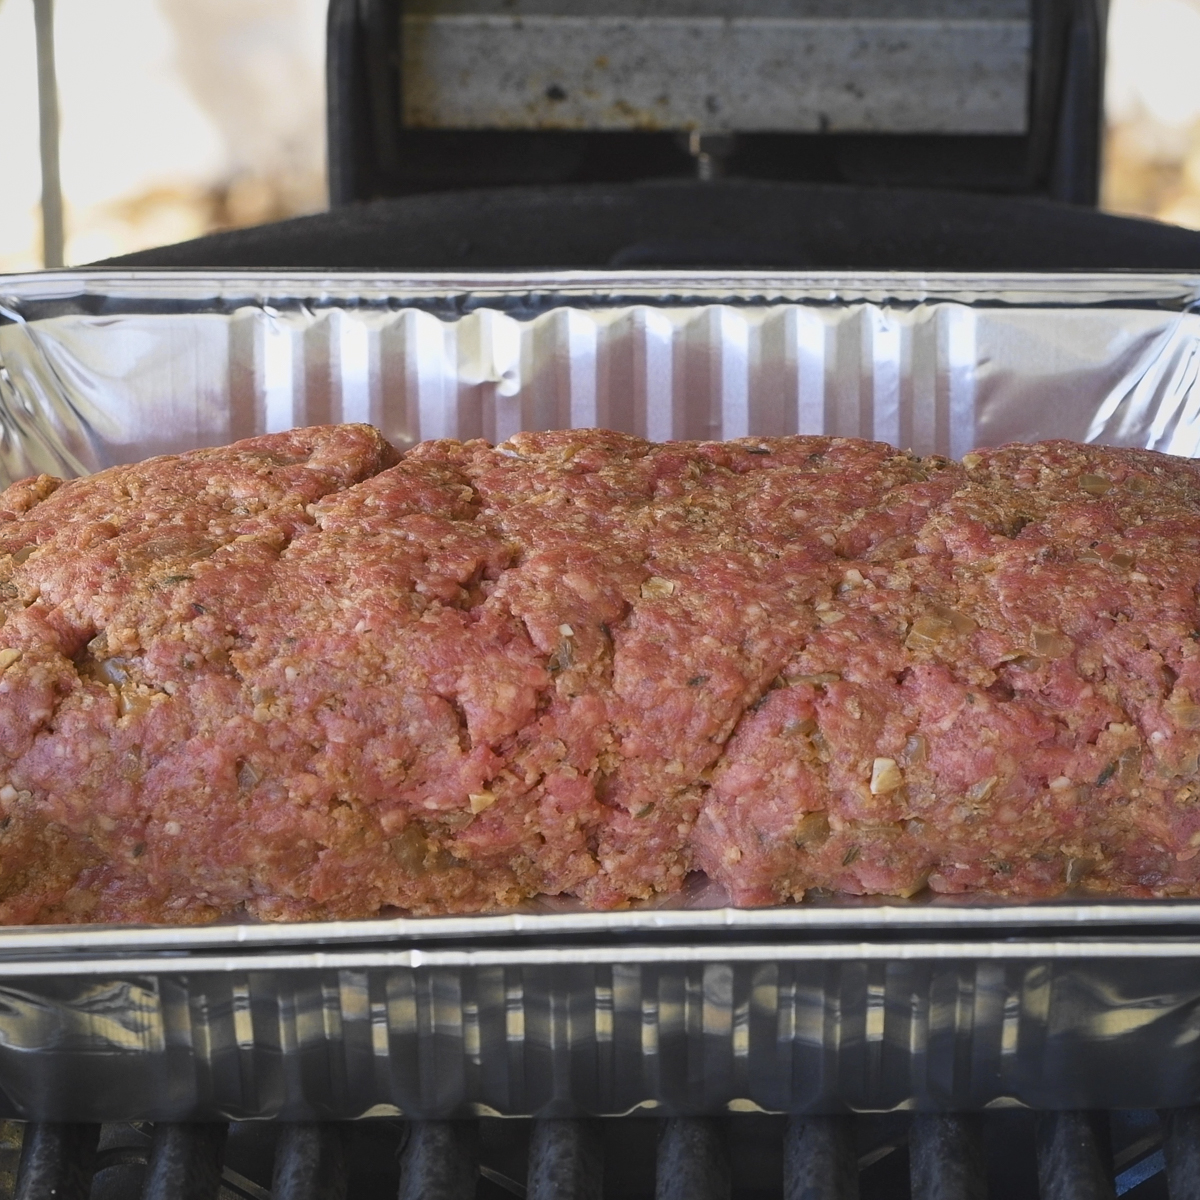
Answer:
(690, 1006)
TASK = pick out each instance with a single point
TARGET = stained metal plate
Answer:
(762, 66)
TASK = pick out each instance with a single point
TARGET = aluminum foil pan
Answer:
(98, 367)
(688, 1007)
(567, 1029)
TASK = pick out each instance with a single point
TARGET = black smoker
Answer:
(463, 135)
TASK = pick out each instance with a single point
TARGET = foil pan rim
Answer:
(1177, 288)
(982, 914)
(681, 953)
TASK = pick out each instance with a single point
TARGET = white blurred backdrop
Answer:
(184, 116)
(178, 117)
(1152, 150)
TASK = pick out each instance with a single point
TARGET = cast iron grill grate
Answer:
(1005, 1154)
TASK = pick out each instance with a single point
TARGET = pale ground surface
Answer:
(184, 116)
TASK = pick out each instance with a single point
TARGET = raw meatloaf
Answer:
(307, 676)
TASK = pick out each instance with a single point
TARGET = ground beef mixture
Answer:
(306, 676)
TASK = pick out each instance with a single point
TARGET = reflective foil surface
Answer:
(689, 1007)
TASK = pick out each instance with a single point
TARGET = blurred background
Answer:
(183, 117)
(1152, 106)
(178, 117)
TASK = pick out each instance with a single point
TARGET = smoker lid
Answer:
(729, 223)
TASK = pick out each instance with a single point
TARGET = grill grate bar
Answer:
(1181, 1145)
(1074, 1157)
(185, 1162)
(566, 1161)
(693, 1161)
(820, 1161)
(440, 1161)
(925, 1156)
(946, 1157)
(57, 1162)
(310, 1163)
